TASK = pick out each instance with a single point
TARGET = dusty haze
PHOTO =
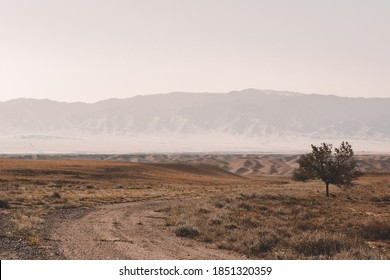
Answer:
(241, 121)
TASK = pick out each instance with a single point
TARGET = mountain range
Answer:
(200, 119)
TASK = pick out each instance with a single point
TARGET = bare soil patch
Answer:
(136, 230)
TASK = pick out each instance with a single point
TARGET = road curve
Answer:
(128, 231)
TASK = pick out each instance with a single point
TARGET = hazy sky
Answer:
(88, 50)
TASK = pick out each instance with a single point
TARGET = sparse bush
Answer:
(379, 199)
(360, 253)
(224, 246)
(186, 231)
(248, 223)
(266, 241)
(262, 208)
(203, 211)
(273, 169)
(281, 182)
(220, 201)
(323, 244)
(207, 239)
(219, 205)
(376, 229)
(55, 195)
(4, 204)
(216, 222)
(305, 226)
(231, 227)
(245, 206)
(28, 227)
(281, 211)
(263, 223)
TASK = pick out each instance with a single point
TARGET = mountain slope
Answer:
(248, 113)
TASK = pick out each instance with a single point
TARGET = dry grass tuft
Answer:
(4, 204)
(376, 229)
(55, 195)
(291, 221)
(265, 242)
(185, 231)
(323, 243)
(28, 227)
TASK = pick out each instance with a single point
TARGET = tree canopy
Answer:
(338, 168)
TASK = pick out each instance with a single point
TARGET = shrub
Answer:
(245, 206)
(379, 199)
(267, 240)
(216, 222)
(4, 204)
(186, 231)
(203, 211)
(219, 205)
(323, 244)
(55, 195)
(376, 229)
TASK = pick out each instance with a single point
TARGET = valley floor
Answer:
(80, 209)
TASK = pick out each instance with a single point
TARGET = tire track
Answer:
(128, 231)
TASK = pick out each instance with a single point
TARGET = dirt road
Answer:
(128, 231)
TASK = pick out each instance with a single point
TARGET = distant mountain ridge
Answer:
(247, 113)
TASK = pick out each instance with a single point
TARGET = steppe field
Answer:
(188, 206)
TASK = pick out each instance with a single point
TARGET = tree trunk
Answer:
(327, 188)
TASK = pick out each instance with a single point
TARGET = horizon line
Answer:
(192, 92)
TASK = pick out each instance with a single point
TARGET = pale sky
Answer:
(89, 50)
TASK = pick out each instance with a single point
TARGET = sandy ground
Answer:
(127, 231)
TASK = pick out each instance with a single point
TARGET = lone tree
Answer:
(338, 168)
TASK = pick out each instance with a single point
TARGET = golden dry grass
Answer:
(32, 189)
(290, 220)
(262, 217)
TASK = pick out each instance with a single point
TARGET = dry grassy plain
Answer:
(268, 217)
